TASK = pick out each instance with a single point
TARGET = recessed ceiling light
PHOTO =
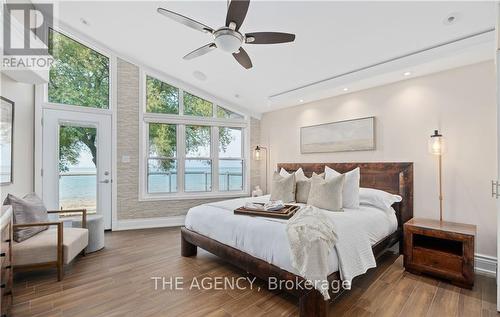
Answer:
(406, 73)
(345, 89)
(199, 75)
(84, 22)
(236, 96)
(301, 100)
(451, 18)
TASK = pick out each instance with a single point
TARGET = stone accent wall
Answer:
(128, 107)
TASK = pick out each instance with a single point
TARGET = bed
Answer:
(245, 241)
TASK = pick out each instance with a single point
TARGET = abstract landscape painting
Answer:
(349, 135)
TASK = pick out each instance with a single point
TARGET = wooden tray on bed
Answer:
(284, 213)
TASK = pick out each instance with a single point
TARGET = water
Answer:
(79, 191)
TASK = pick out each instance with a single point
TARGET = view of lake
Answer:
(77, 188)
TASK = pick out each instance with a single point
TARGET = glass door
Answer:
(77, 162)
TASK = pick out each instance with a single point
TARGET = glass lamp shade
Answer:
(437, 144)
(257, 153)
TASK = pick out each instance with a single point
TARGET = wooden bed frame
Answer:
(396, 178)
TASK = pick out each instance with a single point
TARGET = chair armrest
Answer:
(37, 224)
(83, 211)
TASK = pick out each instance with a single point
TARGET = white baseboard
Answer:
(146, 223)
(485, 265)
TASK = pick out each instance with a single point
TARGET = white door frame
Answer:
(41, 103)
(53, 118)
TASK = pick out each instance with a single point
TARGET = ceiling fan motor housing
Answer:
(228, 40)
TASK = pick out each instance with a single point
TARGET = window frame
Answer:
(241, 158)
(182, 120)
(111, 86)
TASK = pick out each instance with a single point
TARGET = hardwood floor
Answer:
(117, 282)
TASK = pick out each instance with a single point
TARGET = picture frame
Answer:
(340, 136)
(6, 141)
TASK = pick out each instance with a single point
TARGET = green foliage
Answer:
(227, 114)
(196, 106)
(72, 141)
(197, 137)
(161, 97)
(224, 138)
(163, 143)
(79, 76)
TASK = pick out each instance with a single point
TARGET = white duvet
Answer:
(266, 238)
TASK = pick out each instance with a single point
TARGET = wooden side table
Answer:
(6, 281)
(440, 248)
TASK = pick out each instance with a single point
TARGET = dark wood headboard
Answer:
(395, 178)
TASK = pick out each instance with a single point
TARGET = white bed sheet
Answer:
(266, 238)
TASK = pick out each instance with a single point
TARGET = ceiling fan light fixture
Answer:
(228, 40)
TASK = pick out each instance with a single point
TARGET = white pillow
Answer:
(326, 194)
(378, 198)
(299, 174)
(350, 193)
(283, 188)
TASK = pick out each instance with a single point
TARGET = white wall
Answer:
(460, 102)
(23, 97)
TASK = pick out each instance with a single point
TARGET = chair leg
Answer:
(60, 271)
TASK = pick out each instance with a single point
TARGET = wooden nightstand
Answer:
(440, 248)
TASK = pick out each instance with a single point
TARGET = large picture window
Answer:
(79, 75)
(189, 154)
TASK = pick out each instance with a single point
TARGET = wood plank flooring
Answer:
(117, 282)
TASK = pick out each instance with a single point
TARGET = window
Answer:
(198, 170)
(79, 75)
(196, 106)
(161, 97)
(162, 158)
(187, 154)
(230, 159)
(226, 114)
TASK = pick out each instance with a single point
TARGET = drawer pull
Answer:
(2, 254)
(7, 241)
(2, 286)
(8, 267)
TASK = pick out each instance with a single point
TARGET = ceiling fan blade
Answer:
(185, 20)
(243, 58)
(200, 51)
(237, 12)
(269, 38)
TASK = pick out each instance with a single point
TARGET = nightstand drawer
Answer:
(437, 260)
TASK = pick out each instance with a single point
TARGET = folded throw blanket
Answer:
(311, 238)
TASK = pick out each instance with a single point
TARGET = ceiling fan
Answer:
(228, 38)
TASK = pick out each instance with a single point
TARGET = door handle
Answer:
(106, 181)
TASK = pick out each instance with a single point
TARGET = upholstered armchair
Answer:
(53, 247)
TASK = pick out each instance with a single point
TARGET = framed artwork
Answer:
(341, 136)
(6, 140)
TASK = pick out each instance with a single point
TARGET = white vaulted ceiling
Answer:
(332, 38)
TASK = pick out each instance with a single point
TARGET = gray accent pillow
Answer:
(29, 209)
(283, 188)
(303, 189)
(326, 194)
